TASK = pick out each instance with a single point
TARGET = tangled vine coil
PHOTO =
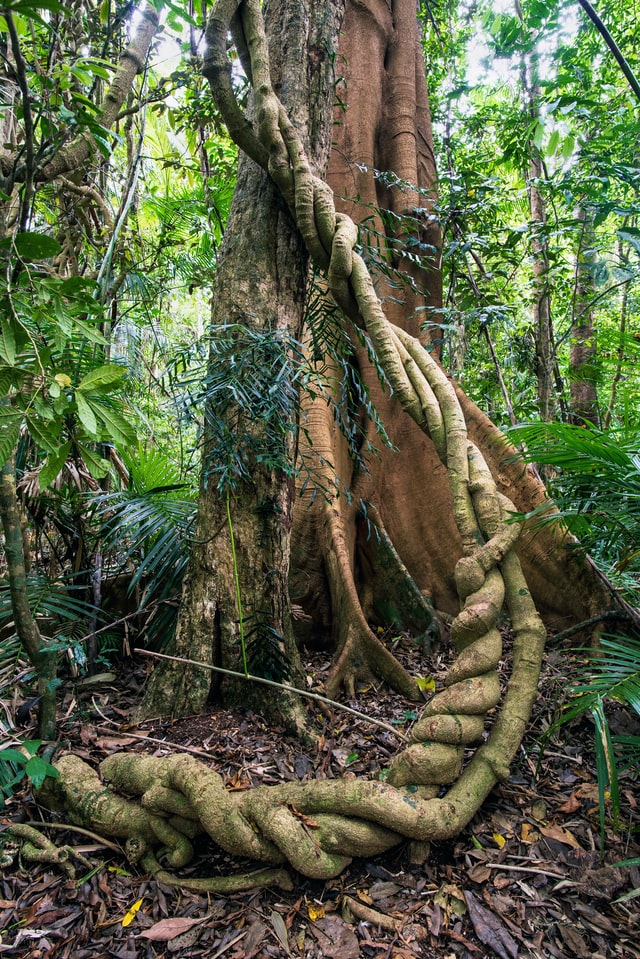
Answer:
(318, 826)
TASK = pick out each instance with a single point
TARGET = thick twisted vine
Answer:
(318, 826)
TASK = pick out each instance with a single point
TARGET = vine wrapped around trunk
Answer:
(318, 827)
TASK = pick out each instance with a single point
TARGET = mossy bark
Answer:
(260, 286)
(35, 646)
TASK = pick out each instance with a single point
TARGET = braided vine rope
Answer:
(318, 827)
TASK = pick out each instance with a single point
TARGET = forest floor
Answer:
(525, 879)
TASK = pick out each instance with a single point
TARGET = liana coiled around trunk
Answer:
(318, 826)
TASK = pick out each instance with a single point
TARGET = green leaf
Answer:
(46, 435)
(10, 423)
(10, 755)
(86, 416)
(7, 342)
(38, 769)
(120, 431)
(103, 379)
(36, 246)
(97, 466)
(554, 140)
(53, 465)
(630, 235)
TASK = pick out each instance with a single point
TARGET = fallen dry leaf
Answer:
(169, 928)
(570, 806)
(336, 939)
(490, 930)
(560, 835)
(528, 833)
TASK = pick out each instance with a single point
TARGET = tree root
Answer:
(38, 848)
(220, 885)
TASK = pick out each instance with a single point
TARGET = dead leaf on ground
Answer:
(561, 835)
(167, 929)
(490, 930)
(570, 806)
(574, 941)
(336, 939)
(254, 939)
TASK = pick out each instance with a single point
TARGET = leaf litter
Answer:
(525, 880)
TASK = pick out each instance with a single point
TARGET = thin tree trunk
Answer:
(35, 646)
(583, 358)
(623, 258)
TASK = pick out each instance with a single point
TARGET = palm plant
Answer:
(596, 488)
(148, 529)
(597, 491)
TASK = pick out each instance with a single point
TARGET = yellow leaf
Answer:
(62, 379)
(528, 833)
(499, 840)
(131, 915)
(315, 911)
(426, 683)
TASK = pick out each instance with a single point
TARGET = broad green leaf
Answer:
(103, 379)
(10, 423)
(53, 465)
(568, 146)
(538, 134)
(630, 236)
(97, 466)
(38, 769)
(10, 755)
(91, 333)
(46, 435)
(119, 430)
(7, 342)
(86, 415)
(554, 140)
(36, 246)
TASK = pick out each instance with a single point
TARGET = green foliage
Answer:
(16, 765)
(250, 403)
(264, 649)
(596, 488)
(612, 676)
(149, 527)
(50, 367)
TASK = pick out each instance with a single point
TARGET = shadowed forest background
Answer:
(319, 337)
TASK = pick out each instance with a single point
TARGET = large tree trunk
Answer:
(379, 542)
(235, 612)
(341, 569)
